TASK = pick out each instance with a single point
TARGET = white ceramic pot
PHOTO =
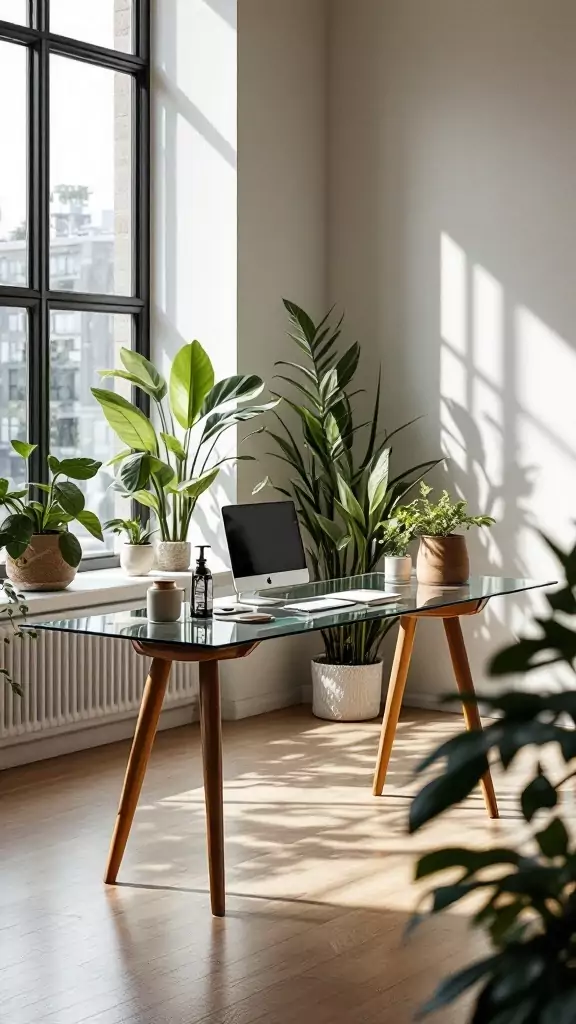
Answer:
(397, 568)
(346, 693)
(137, 559)
(173, 555)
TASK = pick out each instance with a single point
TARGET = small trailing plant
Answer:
(426, 518)
(62, 503)
(528, 907)
(132, 529)
(16, 604)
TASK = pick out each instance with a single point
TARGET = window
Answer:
(74, 225)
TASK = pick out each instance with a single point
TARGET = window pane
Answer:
(13, 171)
(14, 10)
(101, 22)
(90, 169)
(13, 407)
(80, 345)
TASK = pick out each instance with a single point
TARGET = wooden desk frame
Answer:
(163, 655)
(403, 654)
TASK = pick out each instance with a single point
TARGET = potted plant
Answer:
(167, 469)
(527, 886)
(15, 604)
(41, 552)
(136, 553)
(396, 537)
(442, 555)
(345, 494)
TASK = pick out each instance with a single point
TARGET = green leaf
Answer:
(347, 365)
(240, 387)
(120, 456)
(218, 422)
(561, 1010)
(135, 472)
(53, 464)
(191, 379)
(70, 497)
(90, 522)
(128, 422)
(378, 481)
(453, 987)
(537, 794)
(3, 487)
(162, 472)
(145, 372)
(460, 857)
(446, 791)
(70, 549)
(23, 448)
(16, 534)
(147, 498)
(332, 530)
(132, 379)
(266, 482)
(174, 445)
(350, 503)
(553, 840)
(80, 469)
(194, 488)
(301, 320)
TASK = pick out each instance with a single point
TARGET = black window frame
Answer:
(38, 299)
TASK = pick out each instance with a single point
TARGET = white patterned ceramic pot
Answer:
(173, 555)
(346, 693)
(137, 559)
(397, 568)
(41, 567)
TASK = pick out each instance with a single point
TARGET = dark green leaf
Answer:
(232, 389)
(135, 472)
(446, 791)
(128, 422)
(79, 469)
(174, 445)
(537, 794)
(453, 987)
(70, 497)
(91, 523)
(553, 840)
(70, 549)
(561, 1010)
(470, 860)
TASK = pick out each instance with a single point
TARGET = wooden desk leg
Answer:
(150, 709)
(211, 732)
(465, 684)
(396, 687)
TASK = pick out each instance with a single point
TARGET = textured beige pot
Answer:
(41, 567)
(173, 555)
(346, 693)
(443, 561)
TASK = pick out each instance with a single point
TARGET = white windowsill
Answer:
(108, 587)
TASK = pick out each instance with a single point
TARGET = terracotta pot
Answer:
(41, 567)
(443, 561)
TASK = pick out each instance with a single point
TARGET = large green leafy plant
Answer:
(340, 480)
(528, 906)
(62, 504)
(169, 467)
(438, 519)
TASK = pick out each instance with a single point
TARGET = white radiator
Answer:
(72, 682)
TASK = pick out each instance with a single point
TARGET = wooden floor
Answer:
(319, 883)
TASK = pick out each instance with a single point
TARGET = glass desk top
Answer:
(216, 633)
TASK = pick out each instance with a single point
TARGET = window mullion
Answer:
(38, 352)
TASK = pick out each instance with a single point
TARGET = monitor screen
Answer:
(263, 538)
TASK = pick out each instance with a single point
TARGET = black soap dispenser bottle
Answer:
(202, 587)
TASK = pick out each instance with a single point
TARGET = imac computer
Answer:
(265, 545)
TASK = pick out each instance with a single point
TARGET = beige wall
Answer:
(451, 244)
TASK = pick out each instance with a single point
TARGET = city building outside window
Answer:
(74, 227)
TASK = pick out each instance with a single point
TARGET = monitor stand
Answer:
(250, 598)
